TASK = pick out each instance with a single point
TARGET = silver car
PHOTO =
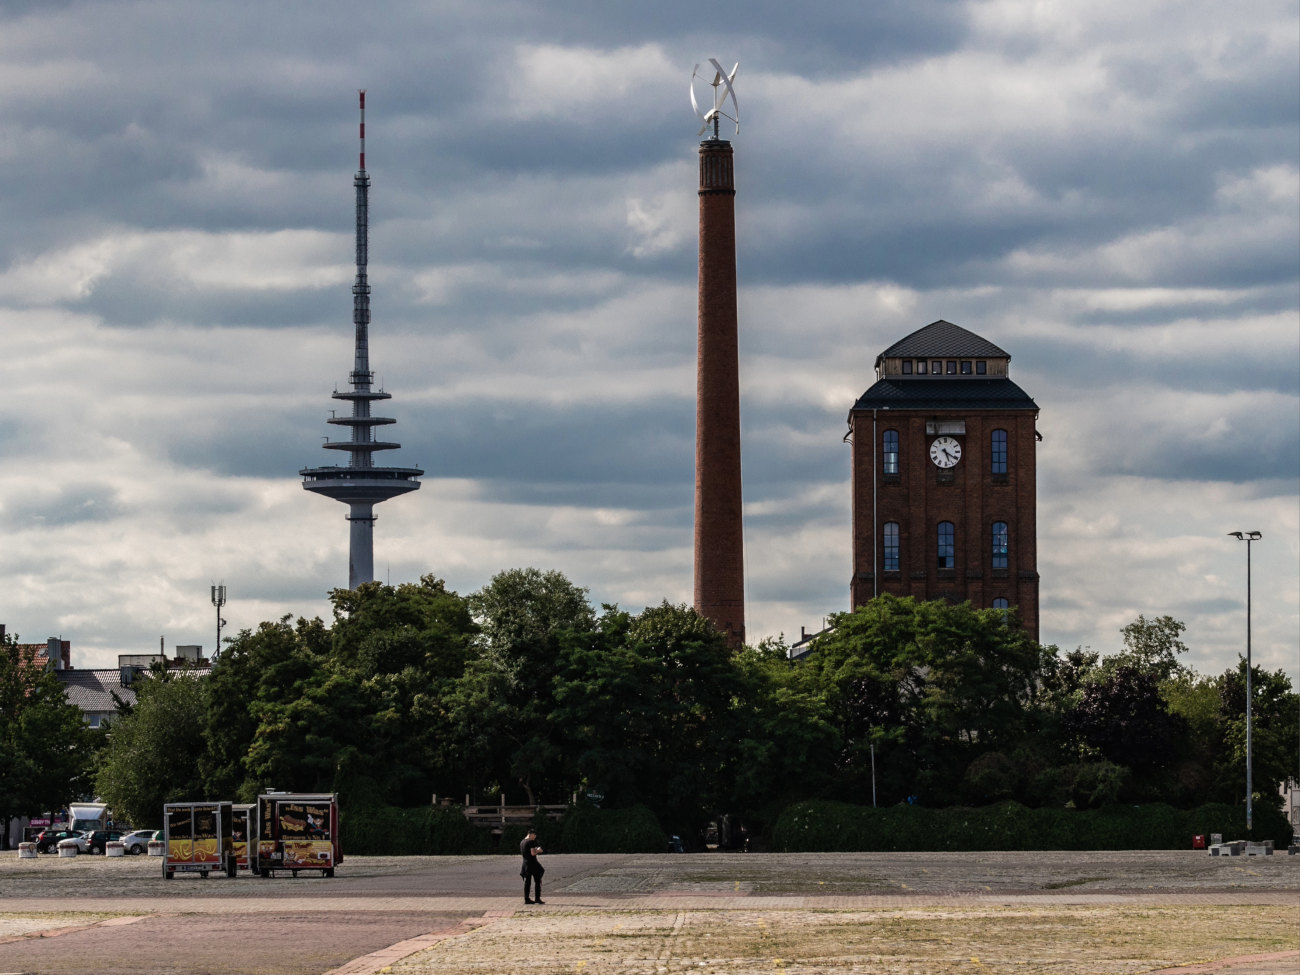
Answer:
(138, 841)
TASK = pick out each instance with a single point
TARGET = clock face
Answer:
(945, 452)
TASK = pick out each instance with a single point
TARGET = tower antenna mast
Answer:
(218, 600)
(361, 485)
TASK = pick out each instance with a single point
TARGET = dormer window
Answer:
(952, 367)
(981, 368)
(920, 367)
(936, 366)
(907, 367)
(965, 367)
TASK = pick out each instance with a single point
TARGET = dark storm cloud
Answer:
(122, 300)
(1260, 368)
(251, 441)
(1268, 448)
(816, 40)
(53, 505)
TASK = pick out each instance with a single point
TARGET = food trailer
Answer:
(243, 832)
(298, 831)
(198, 838)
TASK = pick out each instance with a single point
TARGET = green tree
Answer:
(524, 616)
(1153, 646)
(929, 687)
(685, 727)
(153, 750)
(405, 646)
(421, 626)
(45, 748)
(258, 668)
(1275, 715)
(788, 739)
(1125, 720)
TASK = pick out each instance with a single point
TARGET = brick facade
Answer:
(719, 539)
(970, 495)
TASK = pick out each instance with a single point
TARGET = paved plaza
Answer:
(1061, 913)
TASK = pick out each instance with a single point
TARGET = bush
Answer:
(423, 831)
(821, 826)
(587, 829)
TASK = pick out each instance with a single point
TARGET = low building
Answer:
(96, 691)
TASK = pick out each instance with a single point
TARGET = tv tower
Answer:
(361, 485)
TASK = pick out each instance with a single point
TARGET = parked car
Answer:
(95, 839)
(47, 840)
(138, 841)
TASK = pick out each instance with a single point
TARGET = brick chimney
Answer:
(719, 536)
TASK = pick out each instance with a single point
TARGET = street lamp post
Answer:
(1248, 537)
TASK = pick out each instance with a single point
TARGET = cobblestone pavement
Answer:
(1063, 913)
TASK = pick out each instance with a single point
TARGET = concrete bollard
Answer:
(27, 851)
(157, 848)
(68, 848)
(114, 848)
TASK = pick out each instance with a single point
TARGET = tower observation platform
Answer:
(360, 484)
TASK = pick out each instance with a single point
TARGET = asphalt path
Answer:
(120, 917)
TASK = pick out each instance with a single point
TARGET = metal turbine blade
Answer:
(726, 79)
(720, 79)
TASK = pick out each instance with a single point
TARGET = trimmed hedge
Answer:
(444, 831)
(425, 831)
(823, 826)
(587, 829)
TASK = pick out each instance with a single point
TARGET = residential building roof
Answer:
(92, 690)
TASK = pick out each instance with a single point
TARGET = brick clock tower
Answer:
(944, 488)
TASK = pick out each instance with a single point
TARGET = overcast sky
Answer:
(1109, 191)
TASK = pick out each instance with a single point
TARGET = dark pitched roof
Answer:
(92, 690)
(945, 394)
(940, 339)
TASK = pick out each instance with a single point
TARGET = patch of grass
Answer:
(1052, 940)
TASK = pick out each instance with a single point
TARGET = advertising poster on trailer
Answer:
(298, 832)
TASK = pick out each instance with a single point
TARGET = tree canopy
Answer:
(524, 690)
(45, 748)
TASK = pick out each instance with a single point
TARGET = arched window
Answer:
(947, 545)
(891, 546)
(1001, 603)
(889, 452)
(1000, 539)
(998, 451)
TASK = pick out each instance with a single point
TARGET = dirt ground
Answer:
(1059, 913)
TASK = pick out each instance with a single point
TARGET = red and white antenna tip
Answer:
(362, 93)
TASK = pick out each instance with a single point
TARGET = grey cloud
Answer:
(1268, 450)
(125, 299)
(1261, 369)
(63, 505)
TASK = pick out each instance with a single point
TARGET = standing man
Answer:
(531, 870)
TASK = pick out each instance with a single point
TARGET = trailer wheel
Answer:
(264, 873)
(169, 874)
(203, 874)
(294, 872)
(328, 871)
